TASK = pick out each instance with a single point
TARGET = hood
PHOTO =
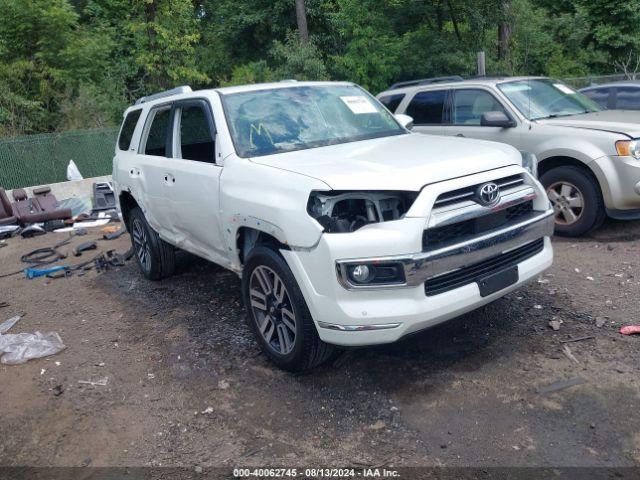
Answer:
(625, 122)
(402, 162)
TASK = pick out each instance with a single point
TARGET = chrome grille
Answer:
(473, 273)
(468, 193)
(461, 231)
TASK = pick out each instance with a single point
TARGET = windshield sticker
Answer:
(564, 88)
(359, 104)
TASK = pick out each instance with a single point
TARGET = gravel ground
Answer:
(188, 386)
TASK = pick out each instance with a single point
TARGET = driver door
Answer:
(196, 181)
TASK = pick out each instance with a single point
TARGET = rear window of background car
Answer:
(128, 126)
(426, 107)
(392, 101)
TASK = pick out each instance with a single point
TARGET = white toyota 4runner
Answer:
(346, 228)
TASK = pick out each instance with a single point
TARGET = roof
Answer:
(470, 81)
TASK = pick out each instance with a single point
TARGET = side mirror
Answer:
(496, 119)
(405, 120)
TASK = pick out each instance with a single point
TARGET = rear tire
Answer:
(278, 314)
(156, 258)
(576, 198)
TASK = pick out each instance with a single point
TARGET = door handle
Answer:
(169, 179)
(134, 172)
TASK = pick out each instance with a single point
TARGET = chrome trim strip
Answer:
(421, 266)
(357, 328)
(474, 210)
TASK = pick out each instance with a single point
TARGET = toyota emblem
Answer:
(488, 194)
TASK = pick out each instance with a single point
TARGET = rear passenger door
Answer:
(427, 110)
(153, 171)
(195, 191)
(466, 108)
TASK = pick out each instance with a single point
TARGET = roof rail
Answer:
(426, 81)
(166, 93)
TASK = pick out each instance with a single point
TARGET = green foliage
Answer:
(67, 64)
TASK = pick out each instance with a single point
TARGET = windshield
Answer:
(263, 122)
(546, 98)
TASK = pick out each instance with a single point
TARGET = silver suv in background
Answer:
(588, 158)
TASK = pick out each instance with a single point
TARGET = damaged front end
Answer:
(345, 212)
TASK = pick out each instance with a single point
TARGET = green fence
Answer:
(42, 159)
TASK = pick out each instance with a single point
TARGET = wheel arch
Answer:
(565, 161)
(247, 238)
(127, 203)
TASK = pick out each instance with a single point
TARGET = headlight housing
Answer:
(628, 148)
(530, 162)
(345, 212)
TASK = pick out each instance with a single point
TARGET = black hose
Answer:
(46, 255)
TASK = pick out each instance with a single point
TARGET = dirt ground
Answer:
(187, 385)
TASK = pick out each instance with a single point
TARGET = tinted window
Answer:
(469, 105)
(126, 132)
(599, 95)
(157, 138)
(196, 142)
(628, 98)
(392, 101)
(426, 107)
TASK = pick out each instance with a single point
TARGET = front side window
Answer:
(128, 126)
(469, 105)
(628, 98)
(196, 139)
(426, 107)
(157, 136)
(546, 98)
(392, 101)
(264, 122)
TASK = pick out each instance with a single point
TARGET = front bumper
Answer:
(619, 179)
(383, 315)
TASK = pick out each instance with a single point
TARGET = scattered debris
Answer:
(3, 304)
(543, 280)
(577, 339)
(600, 321)
(207, 410)
(101, 382)
(7, 324)
(577, 270)
(591, 279)
(22, 347)
(561, 385)
(57, 390)
(630, 329)
(379, 425)
(555, 324)
(567, 352)
(538, 307)
(223, 384)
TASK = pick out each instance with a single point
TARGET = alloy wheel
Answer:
(272, 310)
(141, 244)
(567, 201)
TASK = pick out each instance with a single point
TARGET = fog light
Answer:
(361, 273)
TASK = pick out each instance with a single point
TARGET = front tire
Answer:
(576, 199)
(155, 257)
(278, 314)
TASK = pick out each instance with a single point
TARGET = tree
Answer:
(301, 16)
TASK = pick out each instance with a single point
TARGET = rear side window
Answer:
(157, 137)
(628, 98)
(126, 132)
(392, 101)
(196, 141)
(426, 107)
